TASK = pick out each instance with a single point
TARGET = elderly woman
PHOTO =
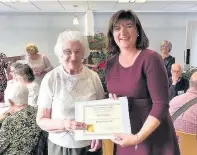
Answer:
(60, 89)
(24, 74)
(19, 132)
(166, 47)
(39, 63)
(139, 73)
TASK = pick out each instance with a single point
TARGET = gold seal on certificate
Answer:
(103, 118)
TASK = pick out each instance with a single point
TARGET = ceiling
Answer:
(35, 6)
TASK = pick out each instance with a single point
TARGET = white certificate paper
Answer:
(103, 117)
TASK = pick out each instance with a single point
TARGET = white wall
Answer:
(158, 27)
(192, 42)
(18, 30)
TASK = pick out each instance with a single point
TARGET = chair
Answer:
(187, 143)
(108, 147)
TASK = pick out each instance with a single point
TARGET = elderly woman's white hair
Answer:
(18, 94)
(71, 36)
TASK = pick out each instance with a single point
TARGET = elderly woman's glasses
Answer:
(77, 53)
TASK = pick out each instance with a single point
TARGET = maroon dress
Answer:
(145, 84)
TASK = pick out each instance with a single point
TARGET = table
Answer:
(4, 109)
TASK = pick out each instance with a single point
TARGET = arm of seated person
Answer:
(5, 135)
(4, 116)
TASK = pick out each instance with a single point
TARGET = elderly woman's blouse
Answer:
(59, 91)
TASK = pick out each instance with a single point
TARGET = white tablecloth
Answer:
(2, 110)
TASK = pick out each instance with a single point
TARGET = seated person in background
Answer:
(10, 82)
(19, 132)
(187, 122)
(24, 74)
(177, 84)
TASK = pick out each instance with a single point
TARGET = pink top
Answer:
(40, 64)
(187, 122)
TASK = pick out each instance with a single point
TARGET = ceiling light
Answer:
(75, 20)
(123, 1)
(132, 1)
(140, 1)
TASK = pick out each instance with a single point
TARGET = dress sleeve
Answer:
(45, 96)
(49, 67)
(5, 134)
(157, 83)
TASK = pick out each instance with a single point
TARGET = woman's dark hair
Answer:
(142, 41)
(25, 71)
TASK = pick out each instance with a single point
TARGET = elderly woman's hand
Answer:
(113, 96)
(73, 125)
(95, 145)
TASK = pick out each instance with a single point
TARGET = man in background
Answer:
(186, 122)
(177, 84)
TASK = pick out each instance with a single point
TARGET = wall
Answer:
(158, 27)
(192, 42)
(42, 29)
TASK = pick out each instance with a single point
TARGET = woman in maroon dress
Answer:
(139, 73)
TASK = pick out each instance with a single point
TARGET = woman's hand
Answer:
(113, 96)
(125, 139)
(95, 145)
(38, 72)
(73, 125)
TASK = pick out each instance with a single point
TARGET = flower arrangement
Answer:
(187, 74)
(97, 42)
(98, 56)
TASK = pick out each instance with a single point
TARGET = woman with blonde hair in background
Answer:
(39, 63)
(166, 47)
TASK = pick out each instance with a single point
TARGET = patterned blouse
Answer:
(19, 133)
(3, 79)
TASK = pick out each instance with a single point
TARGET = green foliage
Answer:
(97, 42)
(188, 73)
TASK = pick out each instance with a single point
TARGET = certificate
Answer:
(103, 118)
